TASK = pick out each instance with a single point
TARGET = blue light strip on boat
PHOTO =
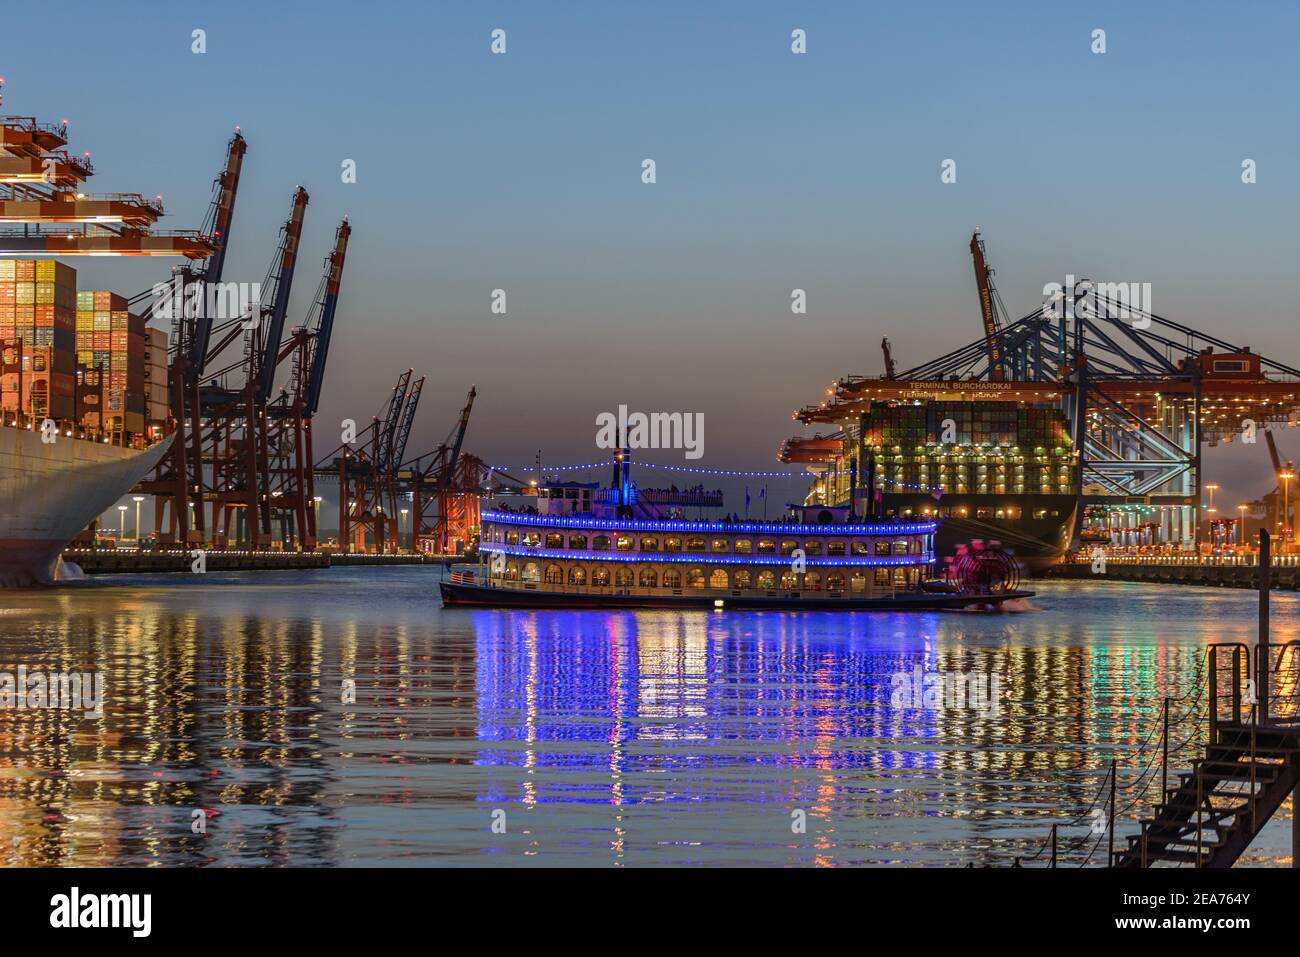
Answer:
(748, 528)
(524, 551)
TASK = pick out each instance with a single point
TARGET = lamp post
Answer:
(137, 499)
(1286, 475)
(121, 526)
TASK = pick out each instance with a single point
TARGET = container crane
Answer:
(293, 482)
(178, 481)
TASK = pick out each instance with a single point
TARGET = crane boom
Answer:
(984, 282)
(321, 342)
(222, 216)
(271, 328)
(891, 371)
(460, 440)
(392, 415)
(408, 419)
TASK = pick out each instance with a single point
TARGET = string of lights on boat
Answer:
(891, 561)
(689, 470)
(614, 525)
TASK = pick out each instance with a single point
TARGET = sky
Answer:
(774, 171)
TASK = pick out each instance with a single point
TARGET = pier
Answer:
(109, 561)
(1226, 571)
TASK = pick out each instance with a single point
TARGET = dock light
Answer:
(717, 604)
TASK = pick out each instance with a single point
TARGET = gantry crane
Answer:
(179, 481)
(289, 417)
(237, 443)
(452, 478)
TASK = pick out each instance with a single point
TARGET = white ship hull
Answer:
(50, 492)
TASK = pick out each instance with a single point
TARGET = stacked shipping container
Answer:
(52, 337)
(108, 335)
(155, 375)
(968, 448)
(37, 322)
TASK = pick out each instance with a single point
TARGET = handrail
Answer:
(1239, 651)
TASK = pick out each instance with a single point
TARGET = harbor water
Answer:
(342, 717)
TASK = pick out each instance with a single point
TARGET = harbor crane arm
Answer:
(392, 415)
(891, 372)
(321, 341)
(408, 419)
(988, 308)
(271, 328)
(460, 439)
(221, 218)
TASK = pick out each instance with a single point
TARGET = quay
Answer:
(108, 561)
(1226, 571)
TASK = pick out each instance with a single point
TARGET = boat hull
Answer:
(482, 596)
(49, 492)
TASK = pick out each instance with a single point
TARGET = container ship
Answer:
(83, 381)
(993, 469)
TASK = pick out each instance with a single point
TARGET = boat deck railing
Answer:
(475, 578)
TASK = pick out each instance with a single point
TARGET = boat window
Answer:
(554, 575)
(600, 543)
(577, 575)
(648, 578)
(600, 575)
(624, 577)
(741, 578)
(882, 576)
(766, 546)
(623, 543)
(554, 540)
(983, 513)
(672, 544)
(531, 573)
(766, 581)
(720, 545)
(532, 539)
(578, 541)
(858, 582)
(718, 579)
(860, 548)
(672, 578)
(901, 546)
(695, 544)
(649, 543)
(788, 545)
(695, 577)
(835, 583)
(834, 548)
(743, 546)
(512, 538)
(812, 582)
(812, 548)
(1040, 513)
(789, 581)
(512, 572)
(1012, 511)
